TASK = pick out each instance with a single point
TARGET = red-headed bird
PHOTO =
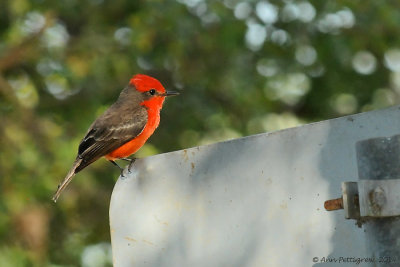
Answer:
(123, 128)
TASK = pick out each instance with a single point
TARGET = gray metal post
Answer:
(379, 159)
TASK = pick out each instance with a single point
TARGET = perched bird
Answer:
(123, 128)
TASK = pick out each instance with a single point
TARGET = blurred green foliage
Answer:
(242, 68)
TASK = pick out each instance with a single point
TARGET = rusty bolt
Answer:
(334, 204)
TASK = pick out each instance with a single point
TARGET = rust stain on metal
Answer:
(130, 239)
(377, 200)
(334, 204)
(147, 242)
(160, 221)
(185, 155)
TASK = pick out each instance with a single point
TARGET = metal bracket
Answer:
(368, 199)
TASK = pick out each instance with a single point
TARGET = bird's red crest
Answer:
(144, 83)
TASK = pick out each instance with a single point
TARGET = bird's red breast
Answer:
(136, 143)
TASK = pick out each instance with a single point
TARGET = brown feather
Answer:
(66, 180)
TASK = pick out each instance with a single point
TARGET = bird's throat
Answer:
(154, 103)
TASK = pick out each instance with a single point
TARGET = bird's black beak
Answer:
(171, 93)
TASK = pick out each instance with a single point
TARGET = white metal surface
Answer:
(253, 201)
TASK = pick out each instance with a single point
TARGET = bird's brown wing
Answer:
(110, 131)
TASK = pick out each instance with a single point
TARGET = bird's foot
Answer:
(130, 164)
(119, 167)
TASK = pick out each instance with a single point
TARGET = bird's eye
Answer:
(152, 91)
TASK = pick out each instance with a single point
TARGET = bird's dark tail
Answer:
(67, 179)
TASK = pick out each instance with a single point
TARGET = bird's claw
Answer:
(130, 165)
